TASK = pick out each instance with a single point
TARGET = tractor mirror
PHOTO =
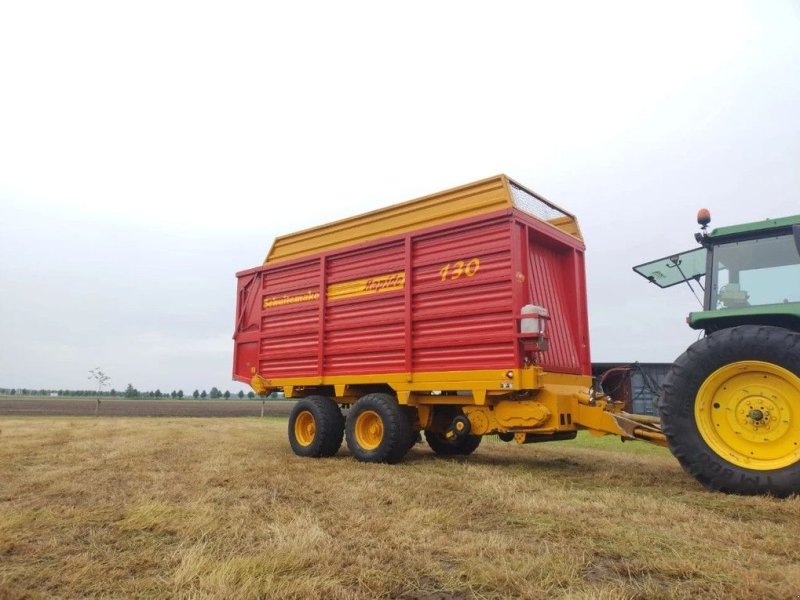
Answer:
(796, 230)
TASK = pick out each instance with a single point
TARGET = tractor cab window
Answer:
(755, 273)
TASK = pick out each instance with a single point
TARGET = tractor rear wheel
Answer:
(378, 429)
(731, 410)
(316, 427)
(458, 446)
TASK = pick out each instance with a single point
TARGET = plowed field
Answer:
(117, 407)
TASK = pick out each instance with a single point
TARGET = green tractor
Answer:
(730, 405)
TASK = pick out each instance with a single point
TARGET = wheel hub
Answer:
(305, 428)
(369, 430)
(747, 412)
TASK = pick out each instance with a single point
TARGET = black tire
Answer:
(328, 427)
(460, 446)
(395, 437)
(774, 345)
(411, 415)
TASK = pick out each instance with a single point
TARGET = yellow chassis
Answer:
(514, 401)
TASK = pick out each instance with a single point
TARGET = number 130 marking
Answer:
(459, 268)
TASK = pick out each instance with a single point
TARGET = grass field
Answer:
(221, 508)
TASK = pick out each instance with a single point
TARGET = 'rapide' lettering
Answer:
(377, 284)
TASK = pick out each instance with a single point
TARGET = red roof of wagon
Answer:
(480, 197)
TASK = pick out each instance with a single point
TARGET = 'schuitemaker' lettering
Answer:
(283, 300)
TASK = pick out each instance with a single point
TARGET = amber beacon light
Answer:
(703, 217)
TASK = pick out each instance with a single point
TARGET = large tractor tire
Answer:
(459, 446)
(316, 427)
(378, 429)
(731, 410)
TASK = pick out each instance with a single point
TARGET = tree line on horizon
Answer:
(131, 392)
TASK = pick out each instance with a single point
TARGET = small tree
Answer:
(131, 392)
(227, 394)
(102, 380)
(240, 394)
(158, 394)
(196, 394)
(251, 395)
(203, 395)
(180, 394)
(214, 393)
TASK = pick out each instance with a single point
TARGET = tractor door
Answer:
(676, 268)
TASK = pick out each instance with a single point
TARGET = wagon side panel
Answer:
(290, 320)
(462, 300)
(364, 329)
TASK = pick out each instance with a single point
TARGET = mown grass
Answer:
(221, 508)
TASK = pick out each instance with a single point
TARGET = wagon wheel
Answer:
(458, 446)
(378, 429)
(316, 427)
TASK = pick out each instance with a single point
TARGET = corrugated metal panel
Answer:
(365, 333)
(363, 363)
(350, 313)
(552, 272)
(450, 304)
(293, 366)
(471, 356)
(366, 262)
(463, 319)
(464, 283)
(290, 324)
(274, 324)
(366, 336)
(287, 346)
(291, 277)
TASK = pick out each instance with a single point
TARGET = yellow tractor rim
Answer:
(369, 430)
(748, 412)
(305, 428)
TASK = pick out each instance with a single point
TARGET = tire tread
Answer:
(329, 423)
(676, 406)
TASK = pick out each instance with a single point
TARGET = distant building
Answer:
(636, 384)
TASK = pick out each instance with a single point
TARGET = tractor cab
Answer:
(748, 274)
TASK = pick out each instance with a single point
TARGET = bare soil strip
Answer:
(116, 407)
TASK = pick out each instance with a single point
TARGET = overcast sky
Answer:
(148, 151)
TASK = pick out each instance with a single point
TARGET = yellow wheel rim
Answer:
(305, 428)
(748, 412)
(369, 430)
